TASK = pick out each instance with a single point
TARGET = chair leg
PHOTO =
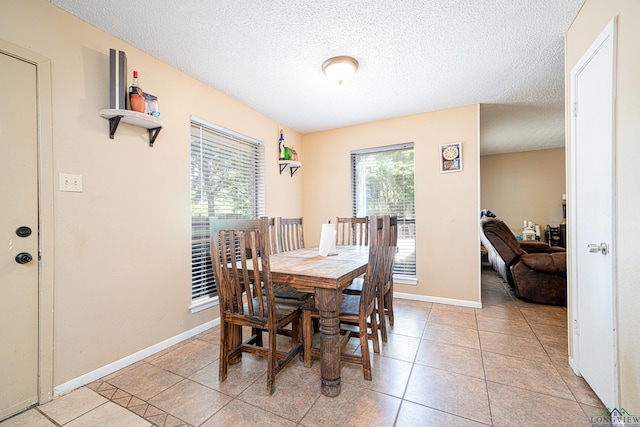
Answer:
(296, 331)
(307, 337)
(374, 333)
(364, 348)
(224, 351)
(389, 299)
(234, 332)
(258, 334)
(271, 361)
(383, 321)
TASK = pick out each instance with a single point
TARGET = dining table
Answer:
(325, 276)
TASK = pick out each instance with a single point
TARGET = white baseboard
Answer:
(89, 377)
(574, 366)
(449, 301)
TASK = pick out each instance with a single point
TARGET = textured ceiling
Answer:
(415, 56)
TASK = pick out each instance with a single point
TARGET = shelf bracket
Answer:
(153, 134)
(292, 165)
(113, 125)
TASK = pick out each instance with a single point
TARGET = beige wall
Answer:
(446, 204)
(122, 246)
(527, 185)
(589, 23)
(121, 255)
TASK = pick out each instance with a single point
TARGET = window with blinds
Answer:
(227, 181)
(382, 183)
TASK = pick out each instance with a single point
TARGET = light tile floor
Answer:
(502, 365)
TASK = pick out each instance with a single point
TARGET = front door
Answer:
(593, 251)
(18, 236)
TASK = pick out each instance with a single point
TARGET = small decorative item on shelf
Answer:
(151, 104)
(117, 80)
(281, 146)
(284, 152)
(136, 100)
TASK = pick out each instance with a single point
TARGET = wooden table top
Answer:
(305, 269)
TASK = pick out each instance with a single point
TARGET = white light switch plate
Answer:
(70, 182)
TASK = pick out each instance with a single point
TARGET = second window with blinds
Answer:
(382, 183)
(227, 181)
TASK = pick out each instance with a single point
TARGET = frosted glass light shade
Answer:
(340, 68)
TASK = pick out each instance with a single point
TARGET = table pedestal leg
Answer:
(328, 302)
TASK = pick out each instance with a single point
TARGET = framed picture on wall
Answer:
(451, 157)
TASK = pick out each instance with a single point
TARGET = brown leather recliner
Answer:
(536, 271)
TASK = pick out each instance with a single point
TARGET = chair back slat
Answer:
(393, 230)
(274, 235)
(237, 287)
(352, 231)
(240, 257)
(379, 234)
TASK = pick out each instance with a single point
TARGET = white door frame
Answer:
(608, 34)
(45, 215)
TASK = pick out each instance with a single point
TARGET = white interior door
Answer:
(18, 214)
(593, 251)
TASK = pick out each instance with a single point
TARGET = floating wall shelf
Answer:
(293, 165)
(115, 116)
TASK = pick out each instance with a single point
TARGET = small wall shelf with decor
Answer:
(293, 165)
(146, 121)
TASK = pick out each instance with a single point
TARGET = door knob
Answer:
(602, 247)
(23, 258)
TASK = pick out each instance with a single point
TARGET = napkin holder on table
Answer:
(327, 240)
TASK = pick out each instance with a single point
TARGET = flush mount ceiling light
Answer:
(340, 68)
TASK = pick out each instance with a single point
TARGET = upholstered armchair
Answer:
(494, 259)
(536, 271)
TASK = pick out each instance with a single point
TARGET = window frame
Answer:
(410, 222)
(251, 153)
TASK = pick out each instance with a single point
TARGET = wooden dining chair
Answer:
(383, 231)
(384, 294)
(285, 234)
(357, 310)
(240, 256)
(352, 231)
(291, 234)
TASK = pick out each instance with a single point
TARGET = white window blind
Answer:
(227, 181)
(382, 183)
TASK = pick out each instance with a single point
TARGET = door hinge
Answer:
(576, 327)
(574, 108)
